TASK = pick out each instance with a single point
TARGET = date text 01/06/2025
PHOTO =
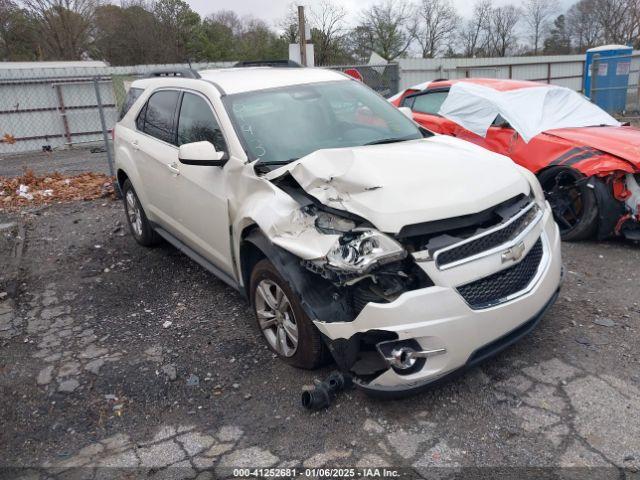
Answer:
(315, 473)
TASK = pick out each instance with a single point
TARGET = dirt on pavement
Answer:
(72, 161)
(114, 355)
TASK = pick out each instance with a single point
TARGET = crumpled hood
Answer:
(406, 183)
(623, 142)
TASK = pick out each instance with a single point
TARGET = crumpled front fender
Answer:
(320, 299)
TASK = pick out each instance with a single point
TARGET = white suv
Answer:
(352, 231)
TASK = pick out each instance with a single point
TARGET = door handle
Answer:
(173, 168)
(136, 145)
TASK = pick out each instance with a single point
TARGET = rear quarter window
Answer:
(132, 96)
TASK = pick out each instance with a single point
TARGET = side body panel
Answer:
(190, 202)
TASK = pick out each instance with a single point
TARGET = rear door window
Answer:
(159, 114)
(429, 102)
(132, 96)
(197, 123)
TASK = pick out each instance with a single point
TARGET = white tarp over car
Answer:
(529, 110)
(419, 87)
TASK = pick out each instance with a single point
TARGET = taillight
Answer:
(113, 134)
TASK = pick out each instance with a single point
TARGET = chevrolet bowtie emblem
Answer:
(514, 253)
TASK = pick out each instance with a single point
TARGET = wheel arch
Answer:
(590, 222)
(253, 244)
(313, 291)
(548, 167)
(121, 177)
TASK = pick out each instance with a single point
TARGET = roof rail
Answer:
(180, 72)
(268, 63)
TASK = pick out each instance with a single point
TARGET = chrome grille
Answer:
(487, 240)
(500, 286)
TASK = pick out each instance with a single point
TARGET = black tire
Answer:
(574, 204)
(143, 233)
(311, 351)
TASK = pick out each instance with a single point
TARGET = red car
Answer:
(587, 162)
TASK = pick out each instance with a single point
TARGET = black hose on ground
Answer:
(323, 393)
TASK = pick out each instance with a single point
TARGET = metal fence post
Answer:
(63, 114)
(595, 66)
(395, 77)
(549, 72)
(105, 135)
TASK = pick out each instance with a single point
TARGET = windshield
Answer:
(284, 124)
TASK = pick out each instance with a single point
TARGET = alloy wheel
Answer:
(565, 198)
(133, 213)
(276, 318)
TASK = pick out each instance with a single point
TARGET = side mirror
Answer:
(201, 153)
(406, 111)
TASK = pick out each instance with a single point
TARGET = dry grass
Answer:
(32, 190)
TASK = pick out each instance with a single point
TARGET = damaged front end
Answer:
(366, 268)
(362, 266)
(407, 288)
(618, 197)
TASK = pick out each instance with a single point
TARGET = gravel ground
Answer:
(71, 162)
(113, 355)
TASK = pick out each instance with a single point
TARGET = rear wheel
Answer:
(574, 204)
(285, 326)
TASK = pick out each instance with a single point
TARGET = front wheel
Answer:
(574, 204)
(285, 326)
(139, 225)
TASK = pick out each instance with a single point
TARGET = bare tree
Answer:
(475, 33)
(559, 40)
(536, 14)
(635, 19)
(7, 8)
(326, 20)
(387, 26)
(583, 26)
(259, 42)
(229, 19)
(358, 44)
(616, 19)
(437, 21)
(177, 24)
(65, 25)
(504, 21)
(289, 24)
(328, 30)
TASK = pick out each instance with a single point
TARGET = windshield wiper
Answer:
(389, 140)
(264, 167)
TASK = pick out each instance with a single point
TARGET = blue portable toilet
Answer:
(612, 77)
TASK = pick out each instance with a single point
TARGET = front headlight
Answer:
(331, 224)
(359, 252)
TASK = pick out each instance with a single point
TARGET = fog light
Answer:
(403, 358)
(406, 356)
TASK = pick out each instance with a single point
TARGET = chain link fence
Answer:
(53, 110)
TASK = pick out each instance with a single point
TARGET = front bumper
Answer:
(439, 318)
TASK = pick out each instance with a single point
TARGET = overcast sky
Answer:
(272, 11)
